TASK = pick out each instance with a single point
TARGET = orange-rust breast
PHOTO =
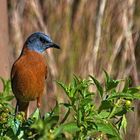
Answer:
(28, 76)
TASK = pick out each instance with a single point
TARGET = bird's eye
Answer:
(42, 40)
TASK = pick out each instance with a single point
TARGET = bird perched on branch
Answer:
(29, 71)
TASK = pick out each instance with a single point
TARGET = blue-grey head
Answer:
(39, 42)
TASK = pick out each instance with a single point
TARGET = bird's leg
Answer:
(27, 113)
(38, 102)
(22, 107)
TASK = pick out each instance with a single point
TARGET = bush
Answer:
(82, 119)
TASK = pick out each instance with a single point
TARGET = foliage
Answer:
(73, 25)
(81, 118)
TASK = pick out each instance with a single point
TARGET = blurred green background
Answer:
(93, 35)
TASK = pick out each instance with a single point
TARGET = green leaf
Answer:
(7, 88)
(3, 82)
(8, 97)
(103, 114)
(107, 76)
(110, 137)
(105, 104)
(15, 125)
(36, 114)
(126, 86)
(86, 101)
(64, 87)
(136, 96)
(65, 117)
(5, 138)
(68, 127)
(133, 90)
(110, 83)
(79, 116)
(56, 109)
(119, 111)
(52, 118)
(67, 105)
(75, 81)
(39, 125)
(124, 123)
(108, 128)
(121, 95)
(98, 85)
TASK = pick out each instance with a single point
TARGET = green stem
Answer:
(114, 109)
(66, 116)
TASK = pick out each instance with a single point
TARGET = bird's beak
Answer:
(53, 45)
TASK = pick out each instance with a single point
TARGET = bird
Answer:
(29, 71)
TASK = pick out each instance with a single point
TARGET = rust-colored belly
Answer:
(28, 77)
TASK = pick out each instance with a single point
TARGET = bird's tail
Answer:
(22, 106)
